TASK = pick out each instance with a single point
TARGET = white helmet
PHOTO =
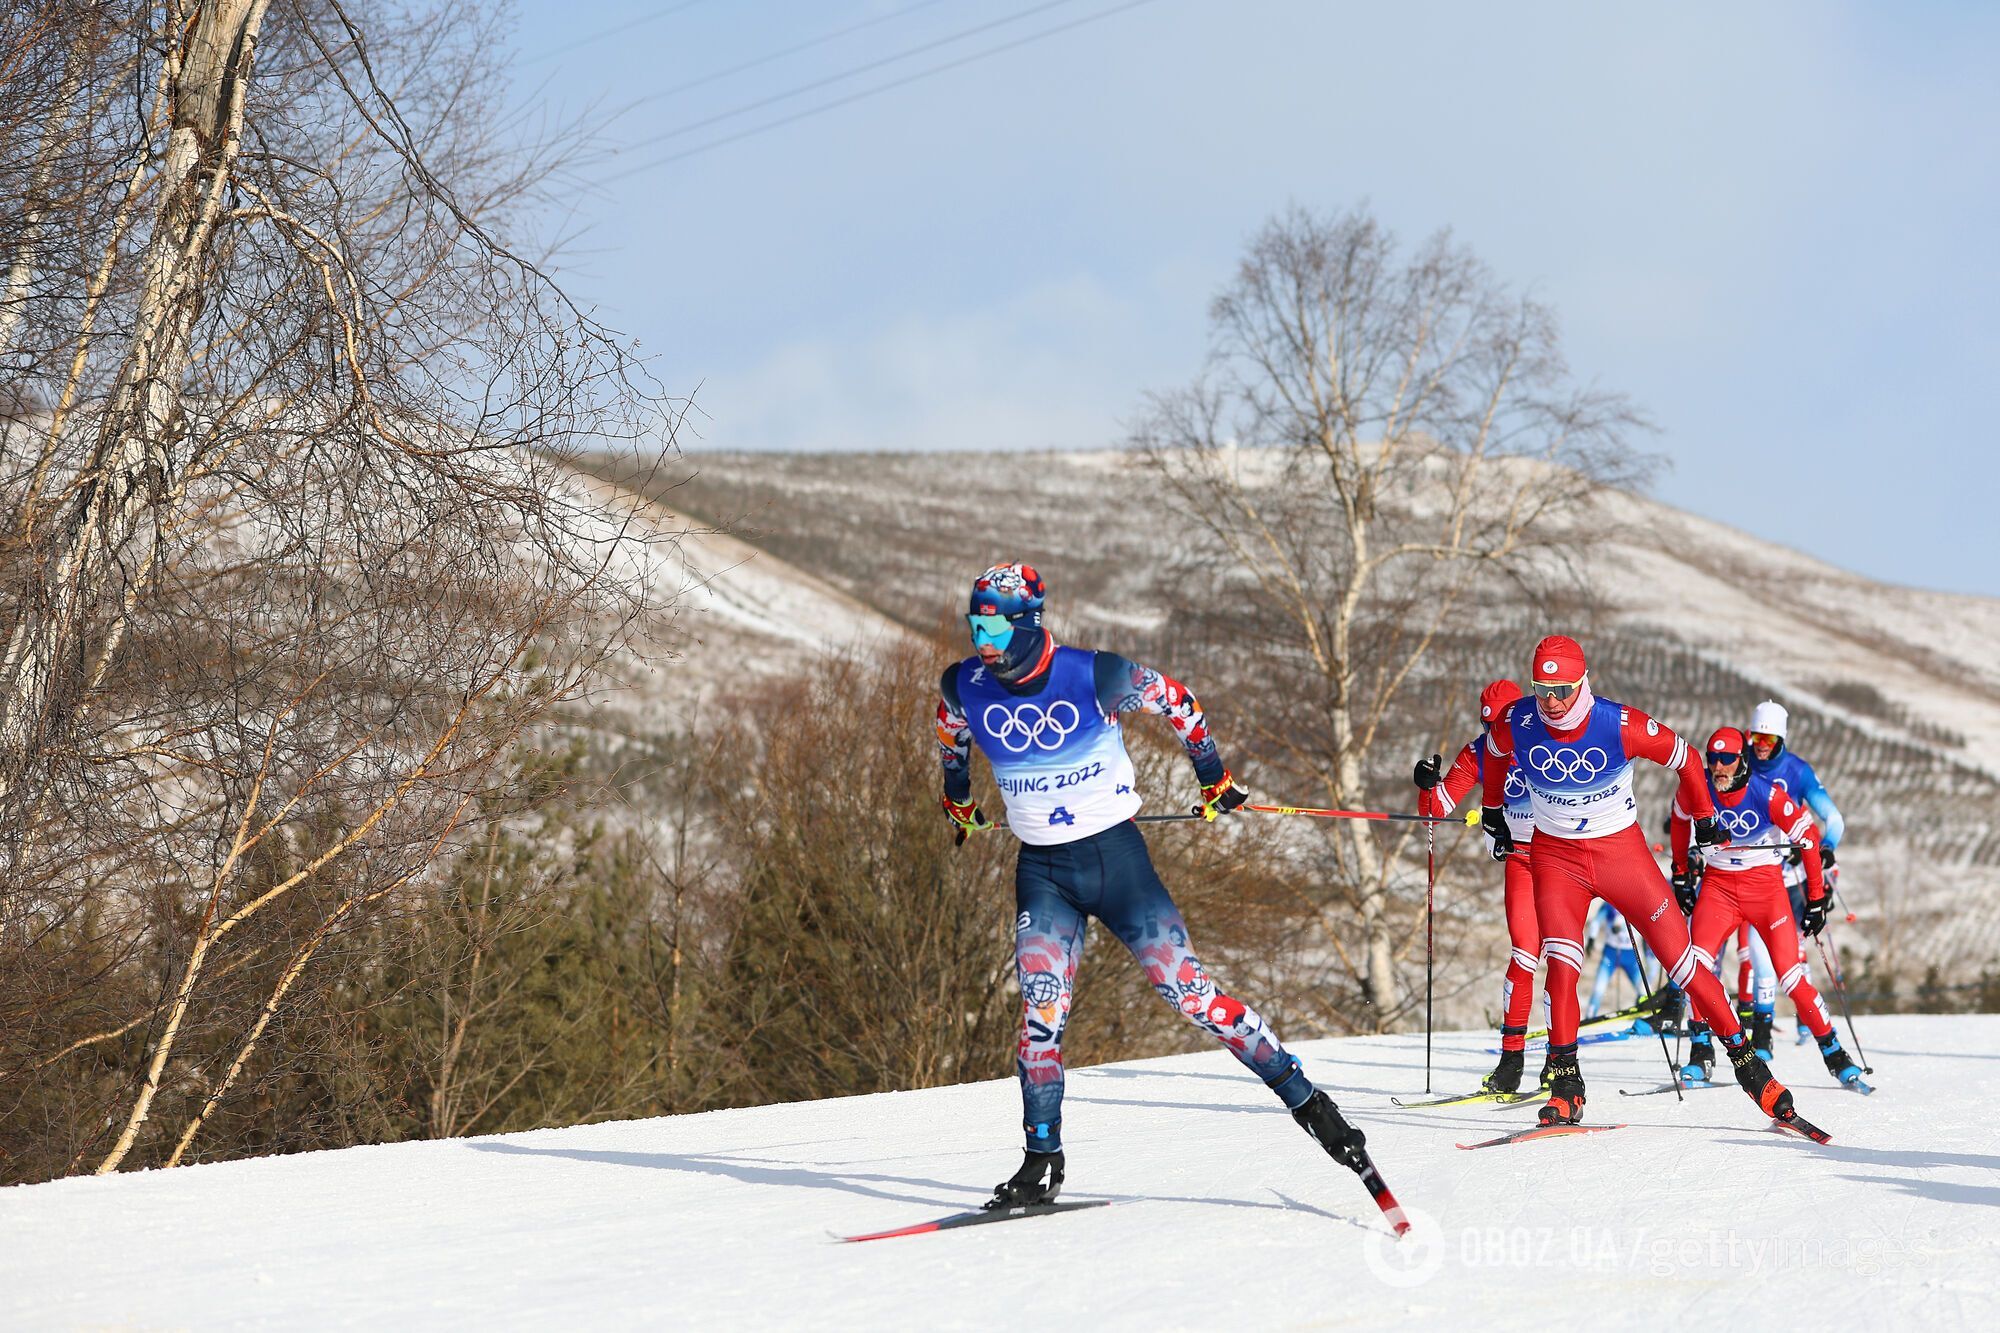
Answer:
(1770, 718)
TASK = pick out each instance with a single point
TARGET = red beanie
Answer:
(1493, 700)
(1558, 660)
(1727, 740)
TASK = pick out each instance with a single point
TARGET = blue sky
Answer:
(1776, 226)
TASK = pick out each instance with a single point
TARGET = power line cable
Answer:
(843, 75)
(627, 26)
(766, 59)
(870, 92)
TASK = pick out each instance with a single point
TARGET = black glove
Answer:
(1494, 820)
(1795, 855)
(1825, 857)
(1685, 883)
(1814, 920)
(1707, 833)
(1430, 772)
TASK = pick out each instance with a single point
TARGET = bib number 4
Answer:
(1061, 815)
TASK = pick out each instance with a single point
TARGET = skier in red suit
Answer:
(1438, 795)
(1575, 752)
(1742, 884)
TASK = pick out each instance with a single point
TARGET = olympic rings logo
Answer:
(1739, 823)
(1019, 728)
(1517, 786)
(1569, 765)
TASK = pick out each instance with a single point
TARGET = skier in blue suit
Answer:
(1047, 719)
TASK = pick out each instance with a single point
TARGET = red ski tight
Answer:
(1756, 898)
(1517, 995)
(1569, 873)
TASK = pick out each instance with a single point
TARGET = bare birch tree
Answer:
(1380, 445)
(292, 559)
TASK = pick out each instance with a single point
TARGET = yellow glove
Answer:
(967, 816)
(1220, 797)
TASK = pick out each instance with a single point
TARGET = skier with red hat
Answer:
(1439, 792)
(1575, 753)
(1740, 883)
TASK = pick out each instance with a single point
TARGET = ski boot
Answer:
(1754, 1077)
(1760, 1034)
(1038, 1181)
(1700, 1067)
(1344, 1143)
(1805, 1035)
(1838, 1062)
(1542, 1081)
(1671, 1015)
(1506, 1076)
(1565, 1104)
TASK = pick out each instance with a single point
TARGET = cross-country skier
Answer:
(1576, 753)
(1438, 795)
(1740, 883)
(1047, 719)
(1620, 955)
(1771, 757)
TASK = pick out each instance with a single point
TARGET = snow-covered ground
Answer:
(1227, 1216)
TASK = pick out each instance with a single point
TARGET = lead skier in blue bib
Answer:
(1047, 719)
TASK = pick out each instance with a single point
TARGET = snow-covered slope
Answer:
(1228, 1216)
(1894, 692)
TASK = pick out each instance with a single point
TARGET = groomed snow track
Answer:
(1229, 1217)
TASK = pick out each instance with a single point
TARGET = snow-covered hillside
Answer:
(1894, 692)
(1227, 1216)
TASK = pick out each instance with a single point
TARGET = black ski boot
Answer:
(1760, 1034)
(1506, 1076)
(1670, 1014)
(1754, 1077)
(1038, 1181)
(1838, 1062)
(1344, 1143)
(1565, 1104)
(1542, 1081)
(1700, 1066)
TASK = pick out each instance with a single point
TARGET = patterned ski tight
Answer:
(1109, 876)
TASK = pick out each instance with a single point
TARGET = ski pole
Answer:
(1840, 989)
(1843, 904)
(1673, 1070)
(1430, 951)
(1428, 820)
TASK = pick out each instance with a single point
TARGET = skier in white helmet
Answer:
(1770, 757)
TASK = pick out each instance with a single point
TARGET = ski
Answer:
(1635, 1011)
(981, 1217)
(1864, 1088)
(1690, 1085)
(1588, 1039)
(1798, 1124)
(1473, 1098)
(1540, 1132)
(1371, 1180)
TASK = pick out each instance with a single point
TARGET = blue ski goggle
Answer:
(1722, 758)
(990, 630)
